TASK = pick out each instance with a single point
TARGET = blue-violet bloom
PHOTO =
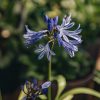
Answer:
(34, 89)
(66, 38)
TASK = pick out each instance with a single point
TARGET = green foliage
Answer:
(61, 85)
(97, 76)
(69, 94)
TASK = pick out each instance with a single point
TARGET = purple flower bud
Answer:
(46, 84)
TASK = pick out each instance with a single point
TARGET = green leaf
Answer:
(69, 97)
(97, 79)
(43, 97)
(61, 85)
(80, 90)
(22, 94)
(97, 76)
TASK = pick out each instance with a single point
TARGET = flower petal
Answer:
(28, 31)
(65, 38)
(46, 18)
(60, 41)
(46, 84)
(67, 26)
(39, 50)
(41, 55)
(52, 53)
(44, 91)
(55, 19)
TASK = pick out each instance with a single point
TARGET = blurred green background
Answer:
(18, 63)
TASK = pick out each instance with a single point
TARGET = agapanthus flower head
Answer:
(67, 38)
(34, 89)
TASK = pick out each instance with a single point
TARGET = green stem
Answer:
(49, 78)
(49, 70)
(80, 91)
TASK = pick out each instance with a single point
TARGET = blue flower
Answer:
(62, 33)
(34, 89)
(44, 50)
(31, 36)
(51, 22)
(66, 38)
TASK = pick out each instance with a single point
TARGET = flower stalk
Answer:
(49, 78)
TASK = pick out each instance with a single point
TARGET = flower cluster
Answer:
(66, 38)
(33, 90)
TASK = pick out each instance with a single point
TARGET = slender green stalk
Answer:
(49, 78)
(49, 70)
(49, 74)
